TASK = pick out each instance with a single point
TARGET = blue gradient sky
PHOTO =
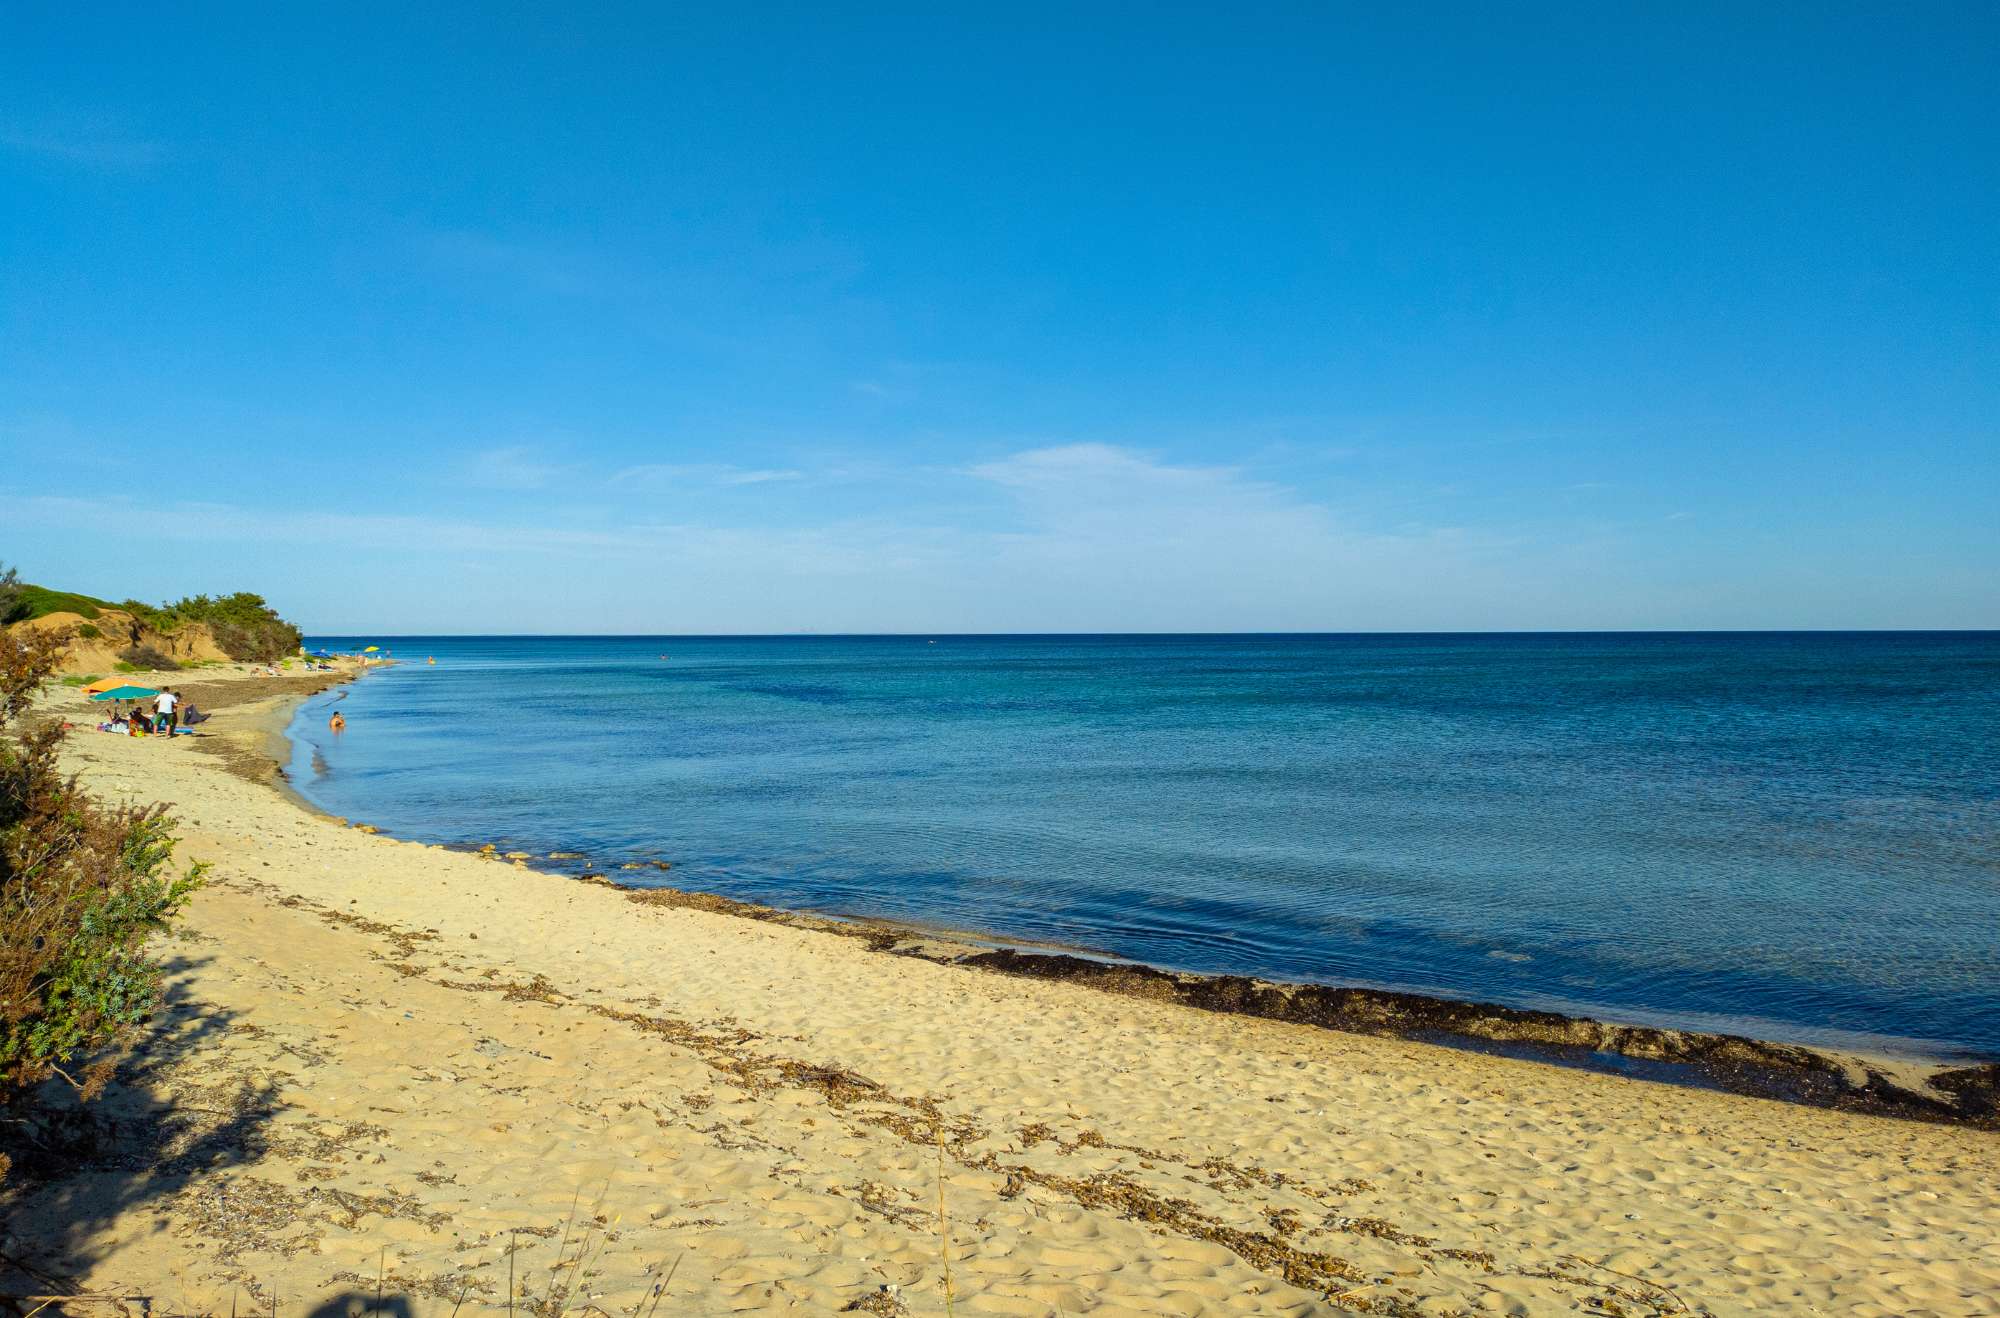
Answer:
(1242, 317)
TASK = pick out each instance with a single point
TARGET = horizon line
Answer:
(839, 635)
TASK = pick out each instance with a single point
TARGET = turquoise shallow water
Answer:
(1797, 835)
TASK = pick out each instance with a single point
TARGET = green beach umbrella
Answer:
(126, 693)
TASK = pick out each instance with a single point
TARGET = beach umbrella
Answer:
(126, 693)
(370, 649)
(103, 684)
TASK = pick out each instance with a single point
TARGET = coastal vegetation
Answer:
(84, 887)
(143, 659)
(242, 624)
(20, 601)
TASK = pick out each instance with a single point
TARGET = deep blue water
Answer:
(1797, 835)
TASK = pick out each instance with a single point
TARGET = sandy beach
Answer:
(386, 1065)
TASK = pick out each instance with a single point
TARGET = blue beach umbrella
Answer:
(126, 693)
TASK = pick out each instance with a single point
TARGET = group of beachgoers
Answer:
(172, 713)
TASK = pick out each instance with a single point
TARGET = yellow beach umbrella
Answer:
(103, 684)
(370, 649)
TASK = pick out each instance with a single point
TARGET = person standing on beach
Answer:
(163, 705)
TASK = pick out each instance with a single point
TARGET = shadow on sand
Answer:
(174, 1109)
(354, 1304)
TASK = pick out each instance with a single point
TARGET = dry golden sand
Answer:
(388, 1059)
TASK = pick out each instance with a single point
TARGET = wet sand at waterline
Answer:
(386, 1060)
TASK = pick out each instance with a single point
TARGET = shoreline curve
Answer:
(1960, 1093)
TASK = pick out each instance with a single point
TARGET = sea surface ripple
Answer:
(1796, 835)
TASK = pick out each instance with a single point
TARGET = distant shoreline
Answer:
(320, 638)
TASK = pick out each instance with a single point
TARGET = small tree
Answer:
(10, 593)
(82, 888)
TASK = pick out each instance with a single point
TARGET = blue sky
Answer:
(1255, 317)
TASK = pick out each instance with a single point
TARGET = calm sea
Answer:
(1795, 835)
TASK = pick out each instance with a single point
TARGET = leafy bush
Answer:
(243, 625)
(152, 616)
(82, 888)
(144, 658)
(89, 631)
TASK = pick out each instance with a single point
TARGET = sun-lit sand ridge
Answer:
(386, 1059)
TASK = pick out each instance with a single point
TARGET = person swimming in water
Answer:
(338, 722)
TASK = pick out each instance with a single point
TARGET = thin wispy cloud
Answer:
(512, 467)
(234, 524)
(904, 380)
(90, 143)
(1099, 468)
(1083, 537)
(1096, 522)
(1079, 524)
(544, 266)
(659, 474)
(1078, 487)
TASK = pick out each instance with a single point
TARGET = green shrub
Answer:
(23, 601)
(89, 631)
(82, 888)
(144, 658)
(153, 617)
(243, 625)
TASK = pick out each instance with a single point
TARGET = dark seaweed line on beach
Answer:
(1731, 1063)
(1736, 1064)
